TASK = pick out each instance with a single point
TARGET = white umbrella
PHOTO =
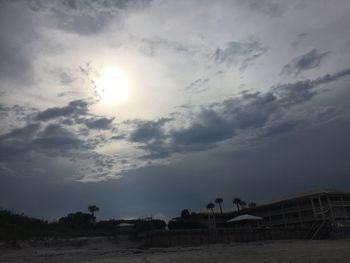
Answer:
(244, 218)
(125, 225)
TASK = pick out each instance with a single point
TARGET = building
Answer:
(316, 211)
(304, 209)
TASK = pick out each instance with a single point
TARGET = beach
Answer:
(103, 250)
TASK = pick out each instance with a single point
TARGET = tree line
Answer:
(15, 226)
(189, 220)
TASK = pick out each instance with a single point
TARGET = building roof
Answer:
(301, 195)
(278, 200)
(245, 217)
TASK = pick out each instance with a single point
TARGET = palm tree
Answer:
(243, 204)
(219, 201)
(211, 206)
(92, 209)
(237, 202)
(185, 214)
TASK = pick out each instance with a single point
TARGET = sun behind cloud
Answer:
(112, 87)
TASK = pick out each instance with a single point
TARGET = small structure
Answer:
(245, 217)
(125, 228)
(245, 221)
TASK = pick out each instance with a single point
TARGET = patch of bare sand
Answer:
(105, 251)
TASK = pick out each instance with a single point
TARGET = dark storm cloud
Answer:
(22, 149)
(264, 113)
(99, 124)
(118, 137)
(25, 132)
(57, 143)
(279, 127)
(15, 144)
(53, 140)
(16, 113)
(250, 174)
(301, 91)
(309, 60)
(225, 120)
(208, 127)
(74, 108)
(239, 53)
(3, 111)
(56, 132)
(148, 130)
(5, 171)
(326, 111)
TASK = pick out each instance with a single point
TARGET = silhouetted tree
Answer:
(185, 224)
(92, 209)
(252, 205)
(185, 214)
(211, 206)
(193, 214)
(237, 202)
(78, 219)
(219, 201)
(243, 204)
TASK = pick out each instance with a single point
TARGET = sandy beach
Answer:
(101, 250)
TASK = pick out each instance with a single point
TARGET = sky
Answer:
(148, 107)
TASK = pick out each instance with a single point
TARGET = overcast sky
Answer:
(148, 107)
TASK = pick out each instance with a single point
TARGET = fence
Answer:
(196, 237)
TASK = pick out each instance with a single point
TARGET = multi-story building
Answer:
(305, 208)
(314, 211)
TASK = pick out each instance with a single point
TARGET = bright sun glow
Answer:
(112, 87)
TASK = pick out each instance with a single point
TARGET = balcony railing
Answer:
(340, 203)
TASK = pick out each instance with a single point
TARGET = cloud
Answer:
(153, 45)
(58, 143)
(208, 127)
(280, 127)
(74, 108)
(199, 85)
(118, 137)
(307, 61)
(4, 170)
(239, 53)
(299, 39)
(252, 115)
(21, 149)
(99, 124)
(25, 132)
(17, 26)
(83, 17)
(145, 131)
(301, 91)
(266, 7)
(65, 77)
(200, 55)
(30, 138)
(16, 144)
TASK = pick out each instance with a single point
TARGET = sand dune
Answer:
(102, 250)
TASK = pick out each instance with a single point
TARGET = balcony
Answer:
(340, 203)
